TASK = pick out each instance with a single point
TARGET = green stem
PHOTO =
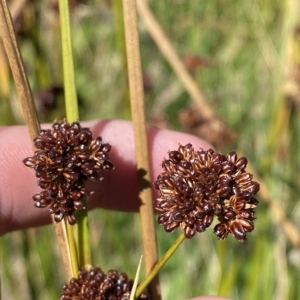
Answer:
(159, 265)
(83, 242)
(73, 250)
(68, 65)
(83, 239)
(117, 7)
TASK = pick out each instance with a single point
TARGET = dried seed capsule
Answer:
(175, 156)
(207, 220)
(221, 231)
(195, 186)
(241, 163)
(169, 227)
(237, 229)
(66, 157)
(189, 232)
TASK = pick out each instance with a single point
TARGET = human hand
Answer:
(117, 191)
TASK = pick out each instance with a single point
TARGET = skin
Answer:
(118, 190)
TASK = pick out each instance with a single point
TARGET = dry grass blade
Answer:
(191, 86)
(140, 137)
(136, 279)
(164, 44)
(30, 115)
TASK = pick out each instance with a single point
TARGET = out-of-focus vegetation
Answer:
(245, 55)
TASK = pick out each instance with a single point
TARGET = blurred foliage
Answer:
(245, 56)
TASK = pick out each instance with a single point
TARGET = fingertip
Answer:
(117, 191)
(161, 141)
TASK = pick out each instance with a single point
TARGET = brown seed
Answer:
(237, 229)
(175, 156)
(221, 231)
(189, 232)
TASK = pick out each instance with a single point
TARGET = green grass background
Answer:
(248, 44)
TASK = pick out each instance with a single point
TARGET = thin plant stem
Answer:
(136, 280)
(141, 142)
(117, 7)
(17, 67)
(83, 239)
(73, 249)
(68, 64)
(29, 111)
(166, 48)
(83, 257)
(159, 265)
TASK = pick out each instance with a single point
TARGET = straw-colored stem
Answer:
(73, 249)
(17, 67)
(140, 138)
(136, 280)
(30, 115)
(159, 265)
(63, 244)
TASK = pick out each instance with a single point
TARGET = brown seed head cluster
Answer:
(196, 186)
(96, 285)
(65, 158)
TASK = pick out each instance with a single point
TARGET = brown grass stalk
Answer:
(166, 48)
(141, 143)
(17, 68)
(30, 115)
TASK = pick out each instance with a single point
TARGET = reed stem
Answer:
(29, 111)
(159, 265)
(68, 65)
(83, 257)
(141, 143)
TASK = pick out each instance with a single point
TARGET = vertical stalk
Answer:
(68, 64)
(117, 7)
(17, 67)
(83, 239)
(83, 257)
(140, 138)
(73, 249)
(30, 115)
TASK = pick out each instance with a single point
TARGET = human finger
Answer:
(118, 190)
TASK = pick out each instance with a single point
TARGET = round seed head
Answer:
(197, 186)
(96, 285)
(65, 158)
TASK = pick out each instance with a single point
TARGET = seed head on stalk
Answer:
(197, 186)
(96, 285)
(66, 156)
